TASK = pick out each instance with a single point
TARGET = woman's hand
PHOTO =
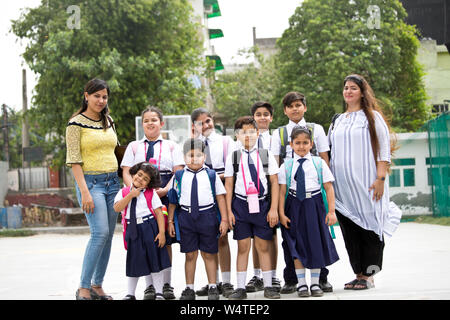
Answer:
(378, 189)
(87, 204)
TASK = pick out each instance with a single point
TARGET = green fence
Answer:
(439, 162)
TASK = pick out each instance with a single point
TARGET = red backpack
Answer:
(148, 194)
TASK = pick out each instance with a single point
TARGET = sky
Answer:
(270, 17)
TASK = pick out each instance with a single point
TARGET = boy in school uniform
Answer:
(294, 106)
(251, 218)
(262, 112)
(199, 193)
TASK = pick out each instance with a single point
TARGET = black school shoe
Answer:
(271, 293)
(288, 288)
(213, 293)
(168, 292)
(188, 294)
(150, 293)
(325, 286)
(255, 284)
(129, 297)
(238, 294)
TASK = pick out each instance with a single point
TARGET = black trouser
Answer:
(364, 247)
(289, 275)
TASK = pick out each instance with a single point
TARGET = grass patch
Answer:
(442, 221)
(16, 233)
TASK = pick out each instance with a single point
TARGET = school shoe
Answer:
(213, 293)
(159, 296)
(325, 286)
(316, 291)
(168, 292)
(271, 293)
(129, 297)
(188, 294)
(255, 284)
(238, 294)
(149, 293)
(227, 289)
(288, 288)
(276, 284)
(302, 291)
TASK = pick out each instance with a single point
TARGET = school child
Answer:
(144, 229)
(169, 158)
(218, 147)
(262, 112)
(294, 106)
(251, 215)
(302, 211)
(197, 194)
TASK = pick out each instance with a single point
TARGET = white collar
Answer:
(212, 136)
(307, 156)
(255, 147)
(160, 137)
(301, 123)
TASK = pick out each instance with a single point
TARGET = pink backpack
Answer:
(148, 194)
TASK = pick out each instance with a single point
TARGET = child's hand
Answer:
(284, 220)
(161, 192)
(231, 220)
(330, 219)
(171, 229)
(223, 228)
(161, 238)
(135, 192)
(272, 218)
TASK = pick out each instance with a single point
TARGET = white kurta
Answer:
(354, 168)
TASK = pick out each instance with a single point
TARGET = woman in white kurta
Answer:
(357, 138)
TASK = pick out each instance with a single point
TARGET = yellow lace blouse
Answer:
(90, 146)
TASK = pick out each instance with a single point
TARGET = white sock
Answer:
(315, 274)
(257, 273)
(301, 276)
(226, 277)
(148, 280)
(267, 278)
(190, 286)
(158, 281)
(167, 275)
(132, 284)
(241, 277)
(217, 276)
(274, 273)
(212, 285)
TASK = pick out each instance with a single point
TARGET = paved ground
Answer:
(47, 267)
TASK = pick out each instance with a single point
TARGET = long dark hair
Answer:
(92, 86)
(369, 104)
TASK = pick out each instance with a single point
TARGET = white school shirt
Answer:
(320, 139)
(265, 137)
(215, 143)
(171, 155)
(353, 164)
(205, 196)
(142, 209)
(239, 185)
(311, 177)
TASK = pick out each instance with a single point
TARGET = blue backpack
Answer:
(317, 161)
(174, 196)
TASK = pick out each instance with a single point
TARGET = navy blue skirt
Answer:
(308, 237)
(143, 255)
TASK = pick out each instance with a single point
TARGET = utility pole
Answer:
(5, 133)
(25, 136)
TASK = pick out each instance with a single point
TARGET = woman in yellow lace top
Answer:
(90, 140)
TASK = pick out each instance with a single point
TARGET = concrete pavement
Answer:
(48, 266)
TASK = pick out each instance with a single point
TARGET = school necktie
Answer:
(194, 196)
(254, 174)
(300, 179)
(150, 151)
(208, 161)
(132, 227)
(260, 142)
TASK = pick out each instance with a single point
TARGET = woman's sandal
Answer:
(365, 284)
(303, 293)
(317, 292)
(78, 297)
(350, 285)
(96, 296)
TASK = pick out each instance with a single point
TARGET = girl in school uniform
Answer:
(302, 215)
(145, 231)
(218, 147)
(168, 157)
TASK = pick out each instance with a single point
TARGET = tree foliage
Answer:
(145, 49)
(329, 39)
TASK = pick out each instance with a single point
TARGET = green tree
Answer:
(236, 92)
(145, 49)
(329, 39)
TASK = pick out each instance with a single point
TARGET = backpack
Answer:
(284, 139)
(148, 194)
(317, 161)
(263, 154)
(175, 198)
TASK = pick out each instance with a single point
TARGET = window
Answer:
(439, 108)
(408, 178)
(405, 162)
(394, 178)
(435, 179)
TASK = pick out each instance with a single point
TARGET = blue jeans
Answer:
(103, 188)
